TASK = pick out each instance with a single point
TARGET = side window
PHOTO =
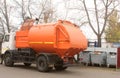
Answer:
(6, 39)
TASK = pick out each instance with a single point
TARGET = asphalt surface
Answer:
(20, 71)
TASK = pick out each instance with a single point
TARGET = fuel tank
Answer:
(63, 38)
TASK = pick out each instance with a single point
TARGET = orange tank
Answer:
(62, 38)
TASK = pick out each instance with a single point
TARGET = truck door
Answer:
(5, 44)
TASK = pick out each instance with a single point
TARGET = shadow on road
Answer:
(33, 68)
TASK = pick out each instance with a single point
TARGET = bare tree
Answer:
(21, 5)
(5, 19)
(47, 11)
(106, 12)
(29, 10)
(66, 7)
(2, 25)
(41, 9)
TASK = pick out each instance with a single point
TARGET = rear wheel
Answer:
(27, 64)
(42, 64)
(8, 60)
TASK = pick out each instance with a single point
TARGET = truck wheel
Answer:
(60, 68)
(42, 64)
(8, 60)
(27, 64)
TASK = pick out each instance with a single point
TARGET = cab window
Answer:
(6, 39)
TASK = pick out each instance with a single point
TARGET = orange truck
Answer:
(51, 45)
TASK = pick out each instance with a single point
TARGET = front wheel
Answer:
(8, 60)
(42, 64)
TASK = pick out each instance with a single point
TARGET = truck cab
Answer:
(8, 42)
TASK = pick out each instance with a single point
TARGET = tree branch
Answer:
(6, 16)
(105, 19)
(2, 25)
(88, 17)
(29, 8)
(96, 14)
(43, 6)
(106, 14)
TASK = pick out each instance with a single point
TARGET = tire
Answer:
(42, 64)
(27, 64)
(60, 68)
(8, 60)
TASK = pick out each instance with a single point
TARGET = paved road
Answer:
(20, 71)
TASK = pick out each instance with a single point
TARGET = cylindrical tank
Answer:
(63, 38)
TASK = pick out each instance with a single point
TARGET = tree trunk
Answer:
(98, 41)
(6, 16)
